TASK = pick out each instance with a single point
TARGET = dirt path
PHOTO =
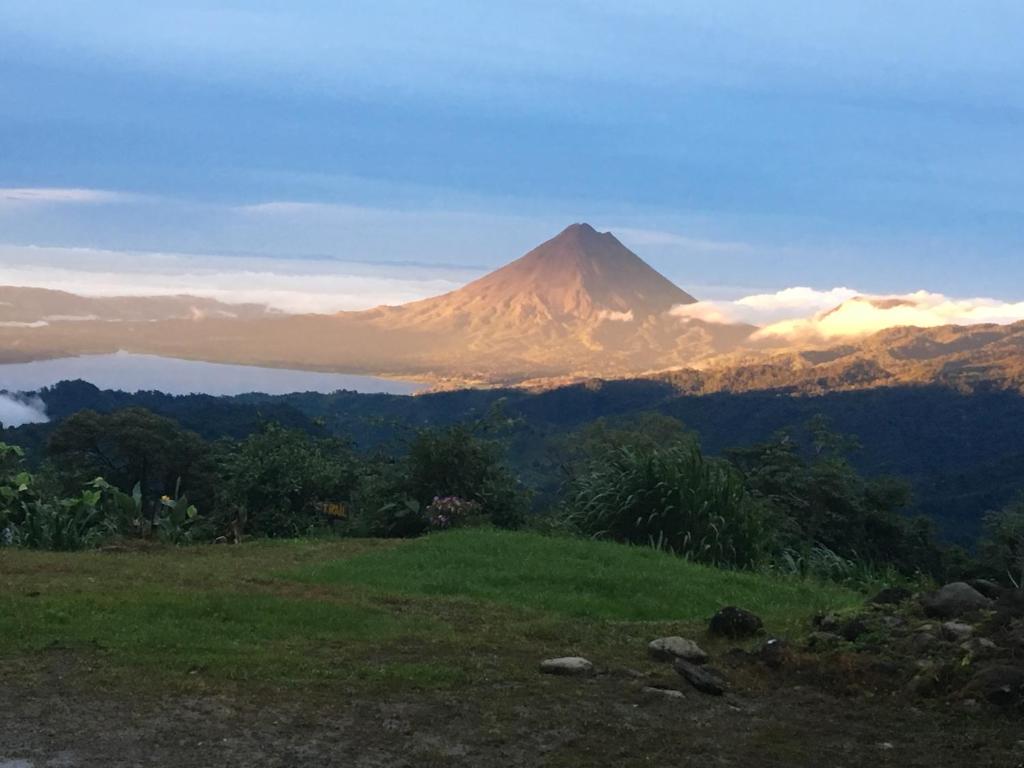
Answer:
(604, 721)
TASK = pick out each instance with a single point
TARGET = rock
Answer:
(891, 596)
(567, 665)
(957, 631)
(668, 693)
(824, 641)
(704, 679)
(923, 684)
(735, 623)
(987, 587)
(893, 622)
(954, 600)
(828, 622)
(1000, 686)
(672, 648)
(774, 653)
(922, 642)
(980, 648)
(853, 628)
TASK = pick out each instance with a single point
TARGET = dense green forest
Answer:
(734, 480)
(961, 454)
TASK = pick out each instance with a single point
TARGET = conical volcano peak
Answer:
(583, 234)
(580, 274)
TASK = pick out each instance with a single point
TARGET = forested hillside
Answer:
(962, 453)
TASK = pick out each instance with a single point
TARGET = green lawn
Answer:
(576, 578)
(448, 610)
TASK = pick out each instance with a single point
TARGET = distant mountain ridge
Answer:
(26, 305)
(579, 306)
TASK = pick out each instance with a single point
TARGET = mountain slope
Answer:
(578, 305)
(580, 275)
(21, 305)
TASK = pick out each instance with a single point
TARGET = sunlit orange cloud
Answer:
(806, 314)
(864, 315)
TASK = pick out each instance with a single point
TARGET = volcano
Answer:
(580, 275)
(579, 305)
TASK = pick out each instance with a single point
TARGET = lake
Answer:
(132, 373)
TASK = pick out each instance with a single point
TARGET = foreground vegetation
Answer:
(450, 609)
(793, 505)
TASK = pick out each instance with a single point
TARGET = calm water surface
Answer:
(132, 373)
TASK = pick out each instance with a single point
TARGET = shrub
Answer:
(1002, 546)
(452, 462)
(670, 497)
(275, 481)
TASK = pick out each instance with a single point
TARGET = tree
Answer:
(817, 499)
(1002, 545)
(134, 446)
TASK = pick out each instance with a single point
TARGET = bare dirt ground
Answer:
(607, 720)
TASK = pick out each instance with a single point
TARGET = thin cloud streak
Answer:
(62, 195)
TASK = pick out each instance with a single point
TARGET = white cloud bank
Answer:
(16, 410)
(289, 285)
(807, 314)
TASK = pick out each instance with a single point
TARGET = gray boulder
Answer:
(704, 679)
(735, 623)
(954, 600)
(1001, 686)
(573, 666)
(988, 588)
(672, 648)
(957, 631)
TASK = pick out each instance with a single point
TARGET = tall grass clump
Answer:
(670, 497)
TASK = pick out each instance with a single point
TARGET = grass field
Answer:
(449, 610)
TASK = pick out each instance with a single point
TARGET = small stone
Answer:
(923, 684)
(954, 600)
(893, 622)
(672, 648)
(828, 622)
(668, 693)
(957, 631)
(735, 623)
(704, 679)
(567, 665)
(922, 642)
(979, 648)
(774, 653)
(853, 628)
(823, 641)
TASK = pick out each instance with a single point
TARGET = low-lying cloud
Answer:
(288, 285)
(807, 315)
(864, 315)
(16, 410)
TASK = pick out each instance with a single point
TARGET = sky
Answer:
(325, 155)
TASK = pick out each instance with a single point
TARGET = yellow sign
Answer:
(334, 509)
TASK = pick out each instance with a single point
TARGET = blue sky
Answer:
(737, 146)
